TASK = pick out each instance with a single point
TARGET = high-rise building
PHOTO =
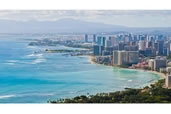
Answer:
(94, 38)
(155, 45)
(170, 48)
(142, 45)
(165, 51)
(151, 64)
(160, 47)
(86, 38)
(131, 48)
(121, 46)
(125, 57)
(150, 52)
(113, 41)
(148, 44)
(115, 57)
(96, 50)
(101, 41)
(132, 57)
(108, 43)
(159, 63)
(101, 49)
(105, 53)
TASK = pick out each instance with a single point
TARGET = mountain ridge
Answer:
(68, 25)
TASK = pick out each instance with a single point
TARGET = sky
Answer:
(130, 18)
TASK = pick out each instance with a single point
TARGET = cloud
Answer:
(141, 18)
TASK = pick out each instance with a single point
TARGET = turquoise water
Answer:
(26, 77)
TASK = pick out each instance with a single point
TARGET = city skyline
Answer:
(129, 18)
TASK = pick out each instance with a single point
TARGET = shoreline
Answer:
(142, 89)
(163, 76)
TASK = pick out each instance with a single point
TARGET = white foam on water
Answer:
(7, 96)
(26, 95)
(9, 63)
(129, 80)
(12, 61)
(38, 61)
(35, 55)
(35, 94)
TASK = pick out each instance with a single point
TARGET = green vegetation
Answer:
(79, 46)
(164, 72)
(153, 94)
(61, 51)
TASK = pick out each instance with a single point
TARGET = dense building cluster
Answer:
(133, 50)
(126, 46)
(147, 45)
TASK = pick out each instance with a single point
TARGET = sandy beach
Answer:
(91, 59)
(154, 72)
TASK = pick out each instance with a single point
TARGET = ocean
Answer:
(29, 77)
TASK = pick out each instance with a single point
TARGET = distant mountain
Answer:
(67, 26)
(60, 26)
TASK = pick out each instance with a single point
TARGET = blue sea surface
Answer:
(29, 77)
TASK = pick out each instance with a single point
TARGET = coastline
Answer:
(163, 76)
(101, 97)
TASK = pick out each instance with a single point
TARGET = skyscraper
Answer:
(108, 43)
(125, 57)
(115, 57)
(160, 47)
(94, 38)
(96, 49)
(86, 38)
(159, 63)
(121, 46)
(142, 45)
(101, 41)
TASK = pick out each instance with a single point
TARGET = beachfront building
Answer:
(115, 57)
(159, 63)
(125, 57)
(151, 64)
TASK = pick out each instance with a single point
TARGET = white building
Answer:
(125, 57)
(168, 70)
(142, 45)
(151, 64)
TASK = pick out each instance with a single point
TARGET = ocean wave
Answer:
(9, 63)
(35, 94)
(35, 55)
(26, 95)
(38, 61)
(12, 61)
(7, 96)
(129, 80)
